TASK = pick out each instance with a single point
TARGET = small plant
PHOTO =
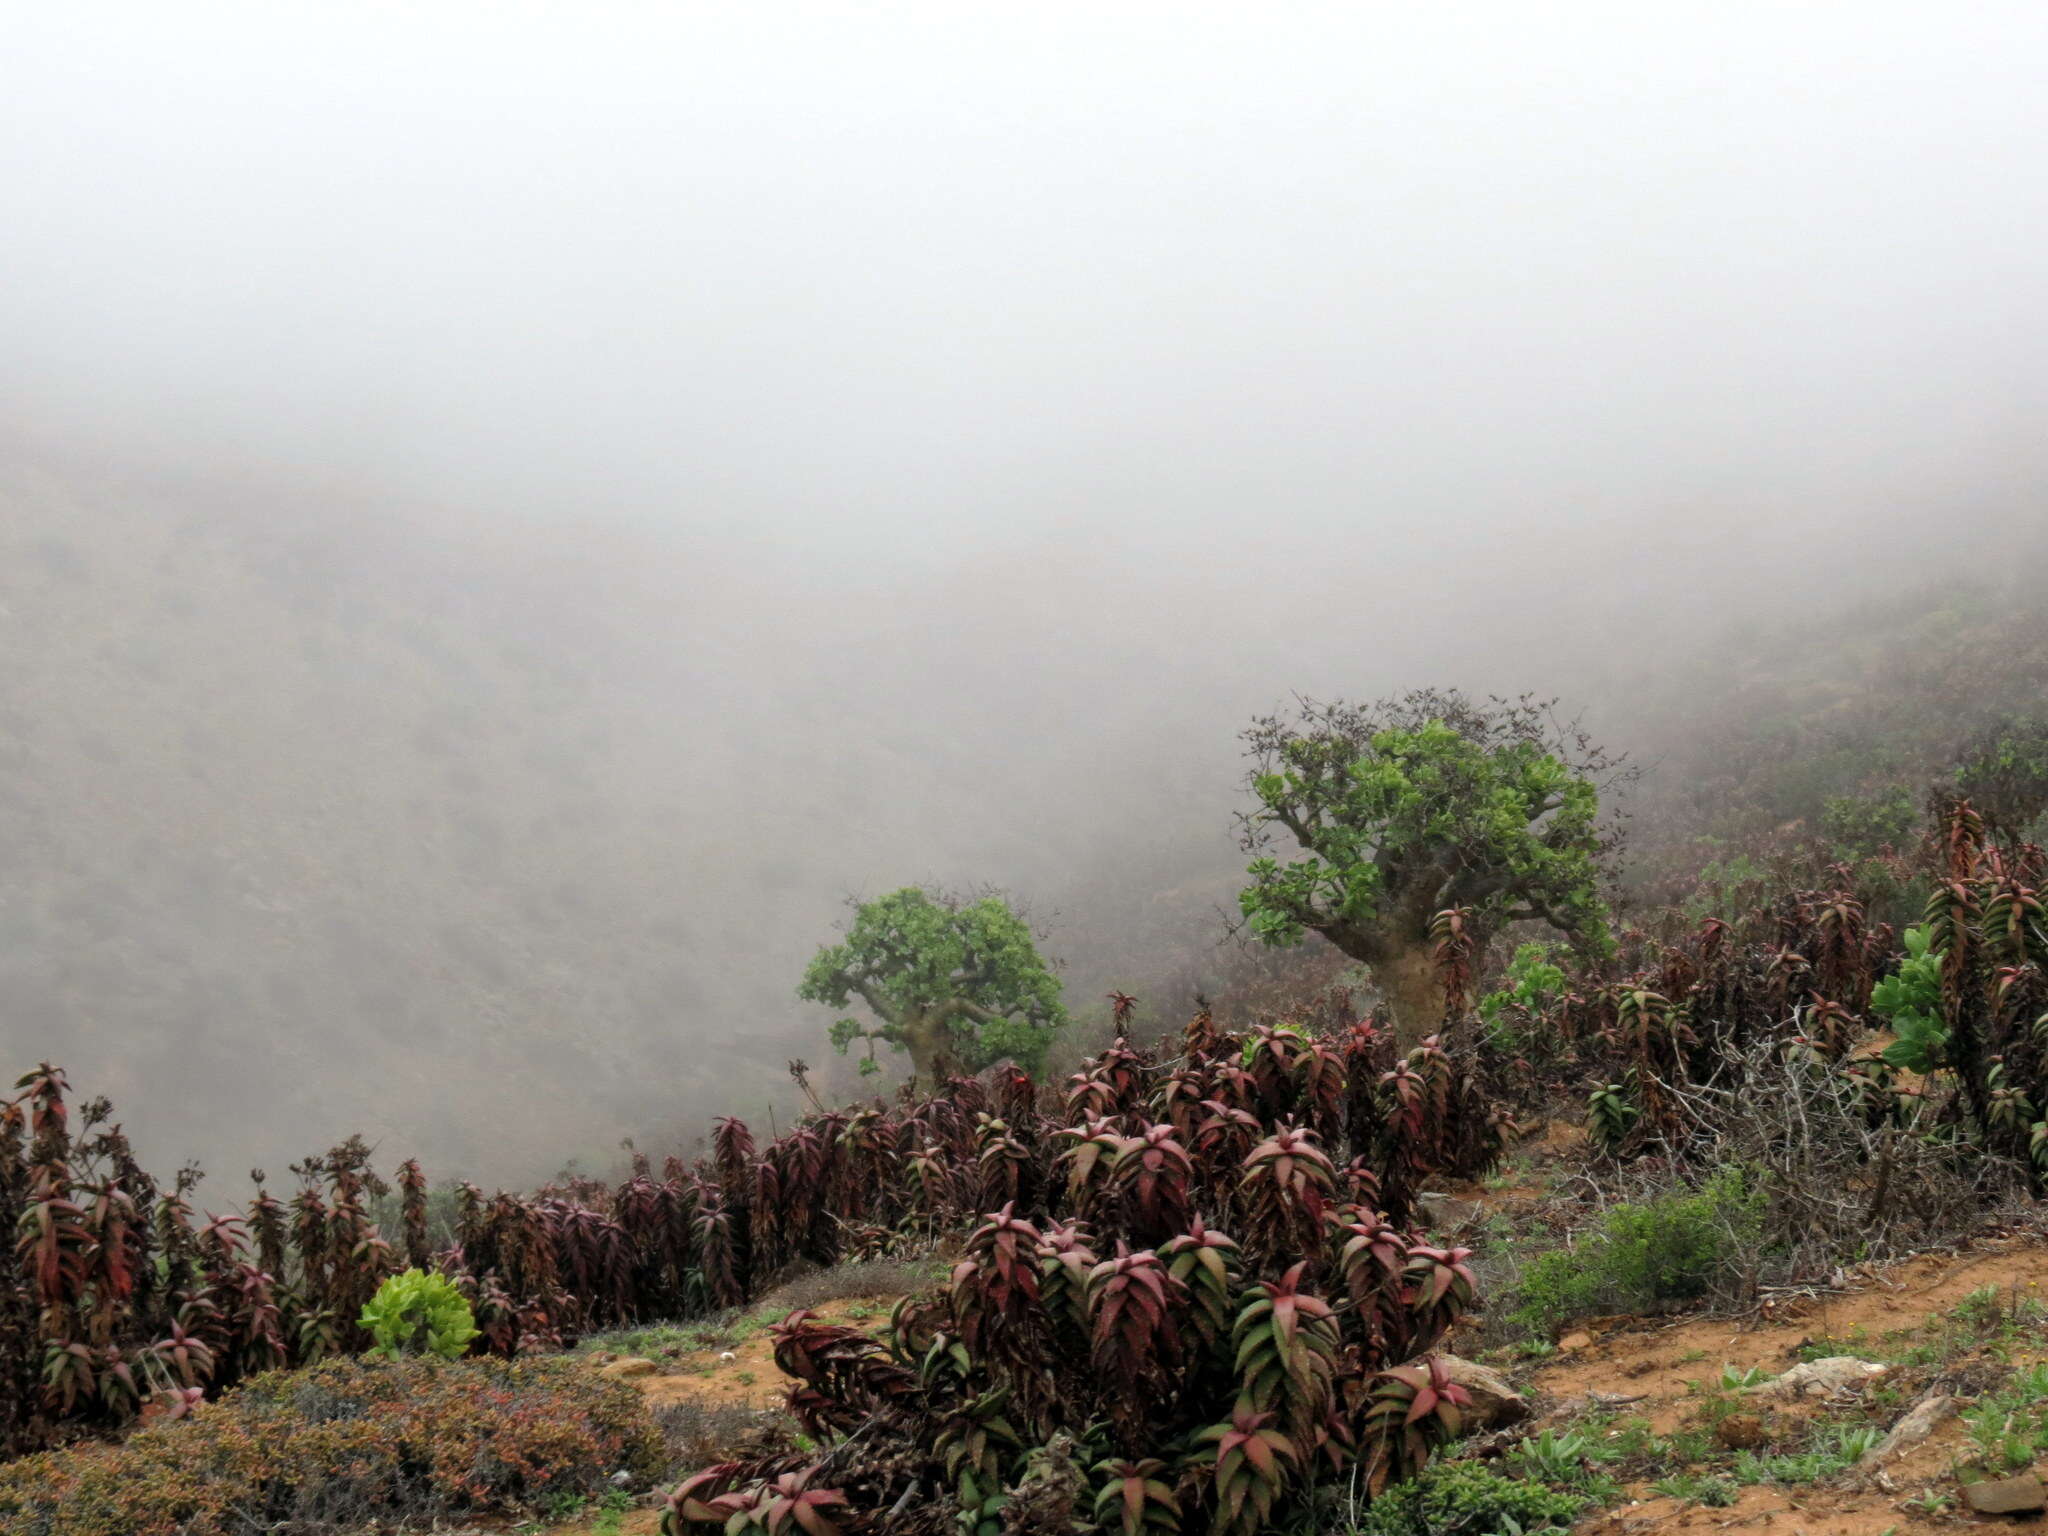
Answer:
(1673, 1248)
(1710, 1489)
(2009, 1428)
(1551, 1457)
(1981, 1311)
(1832, 1452)
(1733, 1380)
(1911, 1000)
(1532, 983)
(1467, 1498)
(419, 1314)
(1929, 1501)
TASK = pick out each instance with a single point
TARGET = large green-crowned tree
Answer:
(1372, 819)
(954, 981)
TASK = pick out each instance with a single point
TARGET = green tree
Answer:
(955, 982)
(2003, 773)
(1401, 809)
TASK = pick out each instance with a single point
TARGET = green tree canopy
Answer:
(2003, 773)
(956, 982)
(1371, 819)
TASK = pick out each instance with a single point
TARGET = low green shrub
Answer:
(1674, 1248)
(1462, 1498)
(347, 1445)
(1910, 1000)
(419, 1314)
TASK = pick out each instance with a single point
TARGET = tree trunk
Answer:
(929, 1039)
(1407, 976)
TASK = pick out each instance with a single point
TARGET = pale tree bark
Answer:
(1404, 968)
(928, 1038)
(1407, 976)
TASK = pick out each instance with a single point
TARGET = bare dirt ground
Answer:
(1659, 1365)
(745, 1375)
(742, 1375)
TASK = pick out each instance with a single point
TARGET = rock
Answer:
(1916, 1426)
(631, 1365)
(1447, 1212)
(1572, 1341)
(1494, 1399)
(2022, 1495)
(1823, 1378)
(1740, 1432)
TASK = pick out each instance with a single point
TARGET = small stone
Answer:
(1740, 1432)
(631, 1365)
(1572, 1341)
(2022, 1495)
(1822, 1378)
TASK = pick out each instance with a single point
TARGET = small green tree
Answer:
(956, 983)
(1402, 809)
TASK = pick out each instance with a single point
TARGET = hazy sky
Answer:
(913, 278)
(509, 511)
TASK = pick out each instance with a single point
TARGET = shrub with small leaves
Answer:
(1465, 1497)
(1673, 1248)
(347, 1445)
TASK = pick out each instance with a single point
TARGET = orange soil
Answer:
(750, 1378)
(1635, 1359)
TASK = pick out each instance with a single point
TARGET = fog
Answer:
(509, 514)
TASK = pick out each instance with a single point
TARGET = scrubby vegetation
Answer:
(1642, 1257)
(342, 1446)
(1461, 1496)
(1205, 1254)
(1194, 1286)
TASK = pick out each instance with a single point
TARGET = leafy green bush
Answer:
(419, 1314)
(1462, 1498)
(1673, 1248)
(1857, 825)
(1533, 983)
(1910, 999)
(346, 1446)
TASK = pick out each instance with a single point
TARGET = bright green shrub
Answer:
(1910, 999)
(347, 1445)
(1673, 1248)
(419, 1314)
(1466, 1498)
(1533, 982)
